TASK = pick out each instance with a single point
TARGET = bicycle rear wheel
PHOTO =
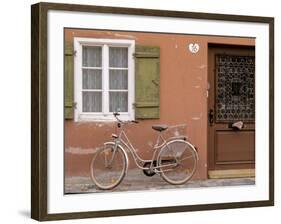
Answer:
(108, 167)
(177, 162)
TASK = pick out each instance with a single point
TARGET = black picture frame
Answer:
(39, 106)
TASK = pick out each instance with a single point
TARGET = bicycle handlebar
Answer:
(116, 114)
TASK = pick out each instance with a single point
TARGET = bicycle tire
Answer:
(177, 162)
(103, 175)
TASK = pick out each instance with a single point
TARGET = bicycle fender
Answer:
(122, 148)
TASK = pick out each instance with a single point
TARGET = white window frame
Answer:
(105, 115)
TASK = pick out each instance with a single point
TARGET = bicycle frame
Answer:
(123, 140)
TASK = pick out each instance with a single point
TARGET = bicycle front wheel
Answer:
(108, 167)
(177, 162)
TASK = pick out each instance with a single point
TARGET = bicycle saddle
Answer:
(160, 127)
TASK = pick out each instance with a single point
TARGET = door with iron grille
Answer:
(231, 108)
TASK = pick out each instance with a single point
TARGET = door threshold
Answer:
(233, 173)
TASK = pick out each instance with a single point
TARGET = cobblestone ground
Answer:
(136, 180)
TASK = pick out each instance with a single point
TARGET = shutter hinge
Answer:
(74, 105)
(72, 53)
(155, 82)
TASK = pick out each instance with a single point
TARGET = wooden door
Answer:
(231, 102)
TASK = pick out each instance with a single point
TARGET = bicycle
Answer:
(175, 159)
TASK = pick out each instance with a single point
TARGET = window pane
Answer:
(118, 79)
(118, 57)
(92, 101)
(118, 101)
(92, 56)
(92, 79)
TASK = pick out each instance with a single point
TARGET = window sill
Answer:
(102, 117)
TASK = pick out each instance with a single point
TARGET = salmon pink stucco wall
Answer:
(183, 98)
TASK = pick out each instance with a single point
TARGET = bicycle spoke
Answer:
(185, 158)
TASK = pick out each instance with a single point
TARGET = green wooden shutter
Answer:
(147, 82)
(68, 81)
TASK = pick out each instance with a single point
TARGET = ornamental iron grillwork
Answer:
(235, 88)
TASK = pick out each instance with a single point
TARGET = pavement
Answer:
(136, 180)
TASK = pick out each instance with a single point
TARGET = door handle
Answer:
(236, 125)
(211, 117)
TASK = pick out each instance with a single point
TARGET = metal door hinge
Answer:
(211, 117)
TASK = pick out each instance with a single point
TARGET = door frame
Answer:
(246, 168)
